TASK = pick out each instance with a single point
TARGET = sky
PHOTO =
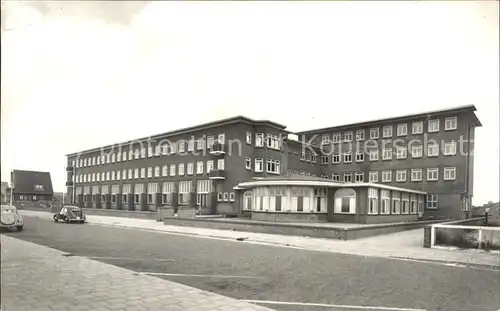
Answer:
(79, 75)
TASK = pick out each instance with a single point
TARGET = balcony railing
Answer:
(217, 174)
(218, 149)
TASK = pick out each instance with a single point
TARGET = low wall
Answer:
(288, 217)
(477, 221)
(309, 230)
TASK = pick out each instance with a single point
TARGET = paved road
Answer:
(266, 273)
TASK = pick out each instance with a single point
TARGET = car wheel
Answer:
(55, 219)
(67, 220)
(19, 228)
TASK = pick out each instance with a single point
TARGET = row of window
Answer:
(387, 131)
(449, 173)
(272, 166)
(271, 141)
(450, 149)
(140, 153)
(166, 170)
(402, 203)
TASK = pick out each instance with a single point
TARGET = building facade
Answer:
(31, 189)
(202, 166)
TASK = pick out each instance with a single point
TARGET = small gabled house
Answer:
(31, 188)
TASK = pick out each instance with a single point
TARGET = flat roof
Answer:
(470, 108)
(190, 129)
(318, 182)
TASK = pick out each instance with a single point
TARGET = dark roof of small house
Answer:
(31, 182)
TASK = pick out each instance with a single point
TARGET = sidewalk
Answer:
(39, 278)
(401, 245)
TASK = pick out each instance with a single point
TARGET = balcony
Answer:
(217, 174)
(69, 184)
(70, 169)
(218, 149)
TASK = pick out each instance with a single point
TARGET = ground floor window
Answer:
(385, 202)
(320, 201)
(168, 188)
(345, 201)
(247, 201)
(432, 201)
(372, 201)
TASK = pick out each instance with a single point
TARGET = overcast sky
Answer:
(81, 75)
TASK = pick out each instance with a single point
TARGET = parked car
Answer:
(10, 218)
(70, 214)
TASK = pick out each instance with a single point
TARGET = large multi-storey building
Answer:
(202, 166)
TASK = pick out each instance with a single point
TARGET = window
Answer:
(124, 174)
(112, 175)
(219, 196)
(164, 170)
(201, 143)
(273, 142)
(172, 169)
(226, 196)
(221, 139)
(167, 189)
(413, 204)
(372, 201)
(190, 168)
(108, 175)
(386, 176)
(374, 133)
(210, 141)
(359, 177)
(136, 173)
(385, 202)
(336, 138)
(249, 138)
(184, 190)
(401, 175)
(360, 135)
(347, 177)
(450, 173)
(150, 172)
(387, 154)
(259, 165)
(129, 174)
(319, 200)
(273, 166)
(450, 124)
(220, 164)
(93, 176)
(347, 157)
(345, 201)
(93, 160)
(313, 158)
(336, 177)
(387, 131)
(98, 160)
(191, 144)
(405, 205)
(210, 166)
(98, 177)
(396, 201)
(137, 154)
(248, 163)
(416, 174)
(373, 176)
(181, 146)
(325, 139)
(231, 196)
(303, 155)
(259, 140)
(432, 201)
(324, 159)
(402, 130)
(199, 167)
(416, 151)
(348, 136)
(373, 154)
(157, 171)
(124, 156)
(450, 148)
(181, 169)
(432, 174)
(432, 150)
(336, 158)
(417, 127)
(360, 156)
(433, 126)
(401, 152)
(118, 156)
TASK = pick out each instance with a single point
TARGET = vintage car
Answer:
(70, 214)
(10, 218)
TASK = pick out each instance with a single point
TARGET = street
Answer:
(275, 277)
